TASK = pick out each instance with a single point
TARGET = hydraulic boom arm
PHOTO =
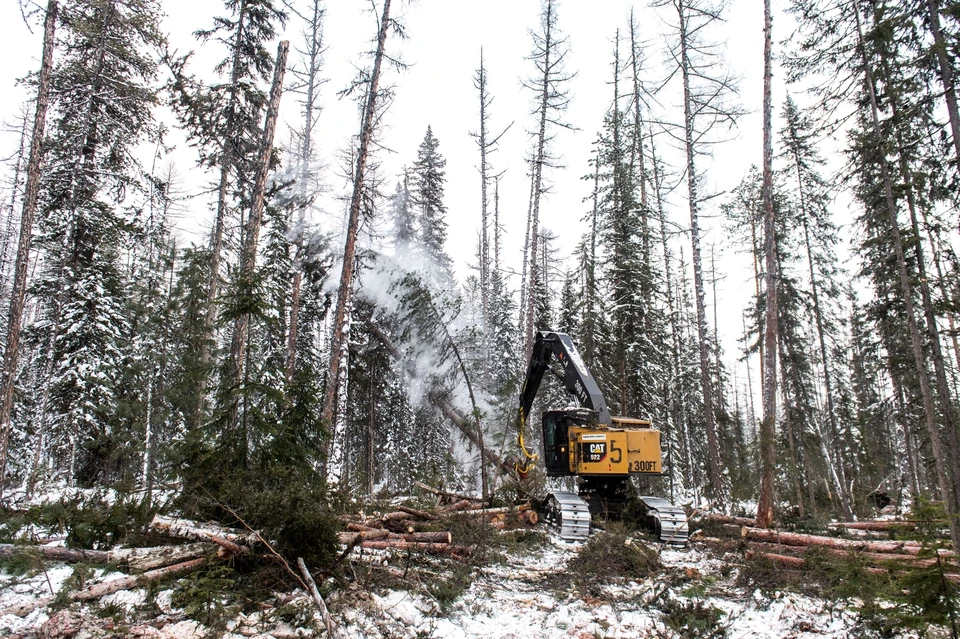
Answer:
(576, 378)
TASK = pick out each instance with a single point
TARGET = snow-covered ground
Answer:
(525, 596)
(516, 600)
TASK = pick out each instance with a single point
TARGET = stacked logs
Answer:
(401, 528)
(786, 548)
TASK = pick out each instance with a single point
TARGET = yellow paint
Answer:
(625, 451)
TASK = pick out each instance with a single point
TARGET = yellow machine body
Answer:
(614, 451)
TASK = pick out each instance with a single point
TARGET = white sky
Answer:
(443, 49)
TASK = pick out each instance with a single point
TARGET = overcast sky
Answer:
(443, 51)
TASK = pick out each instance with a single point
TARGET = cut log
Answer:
(463, 504)
(429, 537)
(728, 519)
(798, 539)
(883, 525)
(365, 535)
(57, 553)
(435, 548)
(157, 557)
(530, 516)
(227, 539)
(422, 514)
(317, 599)
(798, 562)
(786, 560)
(96, 591)
(361, 527)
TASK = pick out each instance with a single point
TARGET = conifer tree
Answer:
(224, 121)
(427, 186)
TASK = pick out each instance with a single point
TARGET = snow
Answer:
(511, 601)
(525, 596)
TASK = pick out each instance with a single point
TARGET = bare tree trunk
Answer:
(906, 290)
(672, 394)
(948, 414)
(314, 50)
(227, 160)
(709, 415)
(238, 343)
(946, 73)
(768, 447)
(353, 225)
(18, 294)
(536, 184)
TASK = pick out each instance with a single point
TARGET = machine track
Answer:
(668, 521)
(569, 515)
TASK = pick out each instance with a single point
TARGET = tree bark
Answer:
(768, 448)
(18, 295)
(906, 290)
(96, 591)
(340, 327)
(248, 267)
(709, 415)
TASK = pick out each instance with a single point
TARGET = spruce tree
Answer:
(103, 101)
(427, 185)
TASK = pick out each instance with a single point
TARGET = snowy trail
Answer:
(516, 600)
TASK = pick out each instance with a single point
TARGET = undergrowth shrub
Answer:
(288, 508)
(90, 520)
(612, 554)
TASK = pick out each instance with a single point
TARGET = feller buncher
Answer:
(603, 452)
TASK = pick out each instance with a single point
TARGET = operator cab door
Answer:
(556, 444)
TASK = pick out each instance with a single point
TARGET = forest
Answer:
(317, 345)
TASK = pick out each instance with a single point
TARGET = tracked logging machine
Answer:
(588, 443)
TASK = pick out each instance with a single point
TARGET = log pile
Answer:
(401, 529)
(787, 548)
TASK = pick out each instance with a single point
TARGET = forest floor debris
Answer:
(536, 587)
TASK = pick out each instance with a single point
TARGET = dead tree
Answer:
(340, 325)
(310, 80)
(549, 53)
(18, 295)
(768, 448)
(706, 95)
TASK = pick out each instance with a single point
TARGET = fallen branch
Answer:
(315, 595)
(103, 589)
(446, 493)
